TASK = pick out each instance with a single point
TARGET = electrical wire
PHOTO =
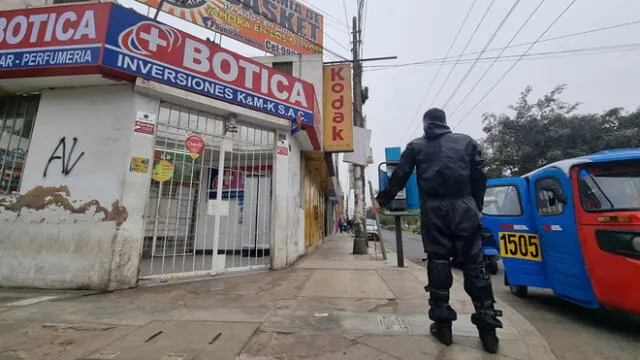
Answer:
(604, 28)
(337, 42)
(514, 64)
(335, 54)
(426, 94)
(541, 55)
(346, 16)
(327, 15)
(463, 50)
(470, 69)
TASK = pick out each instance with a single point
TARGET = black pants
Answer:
(451, 229)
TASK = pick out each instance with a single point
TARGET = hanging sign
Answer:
(338, 119)
(195, 146)
(162, 171)
(280, 27)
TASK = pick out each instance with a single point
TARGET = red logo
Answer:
(148, 38)
(194, 144)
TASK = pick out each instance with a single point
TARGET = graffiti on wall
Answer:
(66, 159)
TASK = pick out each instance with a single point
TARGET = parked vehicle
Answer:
(372, 230)
(574, 227)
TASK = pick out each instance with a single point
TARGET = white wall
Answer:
(287, 181)
(79, 226)
(19, 4)
(306, 67)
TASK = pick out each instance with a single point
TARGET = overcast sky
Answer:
(418, 30)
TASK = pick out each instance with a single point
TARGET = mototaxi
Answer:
(574, 227)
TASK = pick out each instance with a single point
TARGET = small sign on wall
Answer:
(145, 128)
(195, 145)
(223, 206)
(162, 171)
(139, 165)
(145, 123)
(283, 145)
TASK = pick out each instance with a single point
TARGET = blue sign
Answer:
(157, 52)
(47, 57)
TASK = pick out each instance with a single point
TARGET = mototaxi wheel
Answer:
(517, 290)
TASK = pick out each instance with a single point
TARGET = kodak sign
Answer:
(338, 109)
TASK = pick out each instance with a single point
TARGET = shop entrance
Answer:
(180, 217)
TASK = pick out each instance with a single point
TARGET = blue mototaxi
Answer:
(573, 227)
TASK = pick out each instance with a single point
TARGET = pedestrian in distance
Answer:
(452, 182)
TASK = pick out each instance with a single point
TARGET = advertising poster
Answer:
(275, 26)
(338, 109)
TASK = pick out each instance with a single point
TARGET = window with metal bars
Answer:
(17, 116)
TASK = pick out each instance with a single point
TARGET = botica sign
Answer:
(107, 39)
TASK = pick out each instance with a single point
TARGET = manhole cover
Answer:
(392, 323)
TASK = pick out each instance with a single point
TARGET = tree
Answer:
(548, 130)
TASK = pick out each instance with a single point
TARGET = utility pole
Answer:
(360, 239)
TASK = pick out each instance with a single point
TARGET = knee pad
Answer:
(477, 283)
(439, 274)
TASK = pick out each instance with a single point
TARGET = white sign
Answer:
(361, 147)
(222, 204)
(146, 117)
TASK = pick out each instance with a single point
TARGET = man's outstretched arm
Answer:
(399, 178)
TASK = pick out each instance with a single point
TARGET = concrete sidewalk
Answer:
(331, 305)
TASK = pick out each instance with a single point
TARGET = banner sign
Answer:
(57, 36)
(107, 39)
(161, 53)
(338, 108)
(280, 27)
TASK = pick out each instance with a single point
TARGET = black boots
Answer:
(489, 340)
(442, 332)
(486, 320)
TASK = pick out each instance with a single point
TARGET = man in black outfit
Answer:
(452, 182)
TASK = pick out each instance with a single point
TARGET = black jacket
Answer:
(449, 166)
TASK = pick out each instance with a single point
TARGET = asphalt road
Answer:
(572, 331)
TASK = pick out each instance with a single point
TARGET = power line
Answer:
(346, 17)
(337, 42)
(334, 53)
(328, 15)
(493, 36)
(420, 62)
(497, 57)
(424, 97)
(514, 64)
(546, 55)
(364, 6)
(463, 50)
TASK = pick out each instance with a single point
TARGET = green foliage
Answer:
(548, 130)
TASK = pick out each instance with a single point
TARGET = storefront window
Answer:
(17, 116)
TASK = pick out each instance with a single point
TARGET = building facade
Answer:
(124, 162)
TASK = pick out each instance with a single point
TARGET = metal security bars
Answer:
(180, 211)
(17, 116)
